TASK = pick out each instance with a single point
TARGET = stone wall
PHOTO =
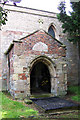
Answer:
(37, 47)
(24, 21)
(10, 69)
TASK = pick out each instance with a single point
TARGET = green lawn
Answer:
(75, 93)
(14, 109)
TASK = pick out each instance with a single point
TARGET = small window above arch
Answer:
(51, 31)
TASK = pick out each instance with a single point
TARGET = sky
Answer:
(47, 5)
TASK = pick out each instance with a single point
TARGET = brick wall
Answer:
(24, 21)
(37, 45)
(54, 47)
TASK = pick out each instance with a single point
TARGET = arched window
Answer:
(51, 31)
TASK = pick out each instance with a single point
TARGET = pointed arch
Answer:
(52, 30)
(50, 69)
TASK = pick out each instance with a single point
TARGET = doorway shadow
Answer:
(40, 79)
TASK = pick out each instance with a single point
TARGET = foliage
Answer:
(3, 13)
(70, 23)
(76, 98)
(76, 91)
(15, 109)
(3, 16)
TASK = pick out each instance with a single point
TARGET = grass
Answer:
(15, 109)
(62, 115)
(75, 91)
(68, 116)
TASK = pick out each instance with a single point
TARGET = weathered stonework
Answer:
(22, 58)
(24, 22)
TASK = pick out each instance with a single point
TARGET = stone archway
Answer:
(40, 79)
(42, 74)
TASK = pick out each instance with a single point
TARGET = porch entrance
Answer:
(40, 79)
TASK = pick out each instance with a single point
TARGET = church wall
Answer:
(10, 69)
(23, 21)
(25, 52)
(72, 60)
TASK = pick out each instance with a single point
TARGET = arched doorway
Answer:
(40, 78)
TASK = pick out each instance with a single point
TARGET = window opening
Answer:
(51, 31)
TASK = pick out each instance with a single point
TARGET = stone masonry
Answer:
(23, 22)
(24, 53)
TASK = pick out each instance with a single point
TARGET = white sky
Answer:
(48, 5)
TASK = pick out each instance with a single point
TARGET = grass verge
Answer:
(75, 93)
(15, 109)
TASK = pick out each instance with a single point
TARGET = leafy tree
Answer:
(3, 16)
(3, 12)
(70, 23)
